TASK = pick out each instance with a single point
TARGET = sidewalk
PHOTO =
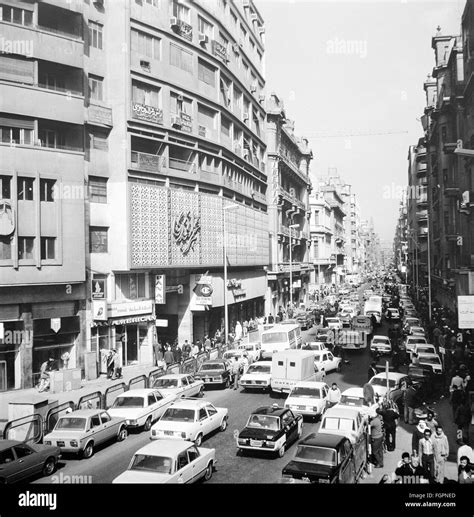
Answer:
(99, 384)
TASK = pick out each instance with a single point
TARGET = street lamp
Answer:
(291, 264)
(224, 250)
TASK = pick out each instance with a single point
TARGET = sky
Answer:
(345, 67)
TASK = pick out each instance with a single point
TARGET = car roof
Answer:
(322, 440)
(342, 411)
(269, 410)
(6, 444)
(190, 403)
(354, 392)
(423, 355)
(391, 375)
(174, 376)
(143, 392)
(380, 336)
(282, 328)
(165, 447)
(83, 413)
(310, 384)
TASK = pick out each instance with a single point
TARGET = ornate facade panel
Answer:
(212, 234)
(186, 231)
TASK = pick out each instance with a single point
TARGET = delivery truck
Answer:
(290, 367)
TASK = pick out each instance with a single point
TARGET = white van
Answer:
(279, 338)
(290, 367)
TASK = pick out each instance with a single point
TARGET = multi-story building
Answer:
(288, 205)
(44, 110)
(400, 248)
(356, 254)
(371, 245)
(187, 144)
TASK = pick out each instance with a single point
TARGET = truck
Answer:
(290, 367)
(374, 307)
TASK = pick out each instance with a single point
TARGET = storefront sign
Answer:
(160, 289)
(466, 312)
(135, 319)
(147, 113)
(239, 292)
(186, 228)
(117, 310)
(99, 310)
(161, 323)
(203, 290)
(98, 288)
(186, 122)
(55, 324)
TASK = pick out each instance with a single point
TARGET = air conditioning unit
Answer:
(261, 98)
(146, 65)
(235, 48)
(203, 39)
(253, 88)
(176, 121)
(174, 22)
(246, 117)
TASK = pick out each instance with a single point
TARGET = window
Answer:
(47, 190)
(98, 239)
(25, 189)
(182, 460)
(105, 417)
(25, 248)
(193, 454)
(95, 421)
(48, 248)
(130, 286)
(237, 100)
(95, 34)
(225, 126)
(206, 73)
(99, 140)
(145, 44)
(181, 58)
(225, 91)
(5, 187)
(52, 138)
(204, 27)
(154, 3)
(316, 217)
(211, 410)
(151, 399)
(16, 15)
(202, 414)
(206, 117)
(97, 189)
(5, 248)
(96, 87)
(234, 18)
(243, 33)
(16, 135)
(145, 94)
(22, 450)
(181, 11)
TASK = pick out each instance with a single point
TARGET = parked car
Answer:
(327, 458)
(190, 419)
(253, 350)
(334, 323)
(381, 344)
(354, 398)
(80, 431)
(308, 399)
(180, 384)
(21, 461)
(315, 346)
(270, 429)
(238, 354)
(431, 360)
(395, 380)
(417, 331)
(326, 361)
(215, 372)
(257, 376)
(169, 461)
(345, 421)
(421, 348)
(141, 408)
(410, 341)
(392, 314)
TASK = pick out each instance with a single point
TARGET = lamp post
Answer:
(291, 263)
(224, 250)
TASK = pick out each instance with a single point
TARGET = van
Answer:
(362, 323)
(290, 367)
(279, 338)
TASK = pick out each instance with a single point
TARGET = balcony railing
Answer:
(146, 162)
(181, 165)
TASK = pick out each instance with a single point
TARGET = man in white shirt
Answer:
(426, 453)
(465, 450)
(334, 395)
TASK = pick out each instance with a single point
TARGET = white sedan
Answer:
(411, 341)
(432, 360)
(315, 346)
(308, 398)
(180, 384)
(141, 408)
(190, 419)
(169, 461)
(381, 344)
(395, 380)
(257, 376)
(253, 351)
(417, 331)
(334, 323)
(354, 397)
(327, 362)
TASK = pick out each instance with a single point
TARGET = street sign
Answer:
(160, 289)
(98, 288)
(466, 312)
(55, 324)
(99, 310)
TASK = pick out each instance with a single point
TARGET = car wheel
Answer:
(227, 384)
(49, 467)
(281, 451)
(147, 425)
(88, 450)
(208, 471)
(122, 434)
(198, 440)
(339, 367)
(201, 392)
(223, 426)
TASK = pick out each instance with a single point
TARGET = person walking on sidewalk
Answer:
(441, 453)
(169, 357)
(390, 417)
(409, 402)
(462, 418)
(417, 435)
(376, 439)
(426, 453)
(237, 368)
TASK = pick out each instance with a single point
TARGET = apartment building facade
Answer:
(289, 187)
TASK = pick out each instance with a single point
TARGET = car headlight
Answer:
(73, 443)
(242, 441)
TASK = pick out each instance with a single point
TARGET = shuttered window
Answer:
(145, 44)
(97, 189)
(14, 121)
(181, 58)
(206, 117)
(15, 69)
(206, 73)
(144, 94)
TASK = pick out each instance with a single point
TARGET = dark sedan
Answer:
(215, 372)
(20, 461)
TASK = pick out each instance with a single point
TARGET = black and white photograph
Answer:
(236, 252)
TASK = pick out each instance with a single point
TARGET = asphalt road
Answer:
(112, 459)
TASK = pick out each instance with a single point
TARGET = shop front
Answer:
(11, 338)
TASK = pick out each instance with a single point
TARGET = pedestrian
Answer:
(465, 471)
(177, 354)
(412, 472)
(431, 423)
(372, 370)
(245, 327)
(110, 364)
(441, 453)
(238, 331)
(117, 365)
(390, 421)
(157, 352)
(457, 381)
(417, 435)
(195, 350)
(236, 368)
(436, 335)
(271, 319)
(207, 343)
(334, 395)
(410, 402)
(462, 418)
(426, 452)
(376, 439)
(168, 356)
(464, 450)
(457, 397)
(404, 468)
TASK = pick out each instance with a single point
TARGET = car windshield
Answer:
(380, 340)
(274, 337)
(382, 381)
(272, 423)
(312, 346)
(211, 366)
(319, 455)
(259, 368)
(299, 391)
(176, 414)
(338, 424)
(166, 383)
(78, 424)
(159, 464)
(425, 350)
(415, 340)
(128, 402)
(246, 347)
(430, 360)
(350, 400)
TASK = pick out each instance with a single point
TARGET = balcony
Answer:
(147, 113)
(422, 200)
(179, 164)
(99, 116)
(146, 162)
(422, 216)
(422, 169)
(321, 228)
(258, 196)
(181, 28)
(286, 230)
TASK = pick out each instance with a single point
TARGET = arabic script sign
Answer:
(148, 113)
(186, 228)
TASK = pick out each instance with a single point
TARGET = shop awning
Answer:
(124, 321)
